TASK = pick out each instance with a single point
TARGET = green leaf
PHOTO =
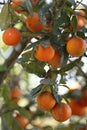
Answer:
(63, 20)
(44, 10)
(72, 126)
(16, 125)
(8, 118)
(3, 68)
(11, 121)
(64, 57)
(58, 22)
(5, 17)
(6, 93)
(19, 17)
(29, 7)
(36, 90)
(57, 97)
(8, 16)
(45, 43)
(23, 112)
(68, 9)
(77, 94)
(35, 67)
(74, 23)
(26, 56)
(69, 66)
(81, 34)
(31, 65)
(35, 128)
(48, 128)
(68, 4)
(65, 33)
(73, 2)
(45, 81)
(62, 81)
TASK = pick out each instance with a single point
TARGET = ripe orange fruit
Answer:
(15, 94)
(80, 12)
(55, 61)
(33, 23)
(11, 36)
(46, 101)
(77, 109)
(34, 1)
(81, 21)
(14, 5)
(85, 94)
(23, 121)
(61, 112)
(76, 47)
(83, 99)
(17, 8)
(17, 2)
(44, 53)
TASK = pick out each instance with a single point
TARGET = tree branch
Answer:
(11, 60)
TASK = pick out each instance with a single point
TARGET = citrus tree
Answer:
(47, 39)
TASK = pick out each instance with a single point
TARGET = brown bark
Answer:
(12, 59)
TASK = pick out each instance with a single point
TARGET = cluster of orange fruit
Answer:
(15, 96)
(79, 106)
(47, 102)
(75, 46)
(62, 111)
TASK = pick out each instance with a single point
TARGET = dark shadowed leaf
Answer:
(81, 34)
(46, 81)
(29, 7)
(44, 10)
(64, 57)
(23, 112)
(73, 2)
(57, 97)
(69, 66)
(3, 68)
(36, 90)
(74, 23)
(16, 125)
(36, 68)
(9, 120)
(5, 17)
(5, 94)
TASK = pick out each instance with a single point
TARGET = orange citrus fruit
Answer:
(17, 2)
(76, 47)
(77, 109)
(17, 8)
(83, 100)
(23, 121)
(15, 94)
(46, 101)
(44, 53)
(33, 23)
(61, 112)
(81, 21)
(11, 36)
(55, 61)
(34, 1)
(80, 12)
